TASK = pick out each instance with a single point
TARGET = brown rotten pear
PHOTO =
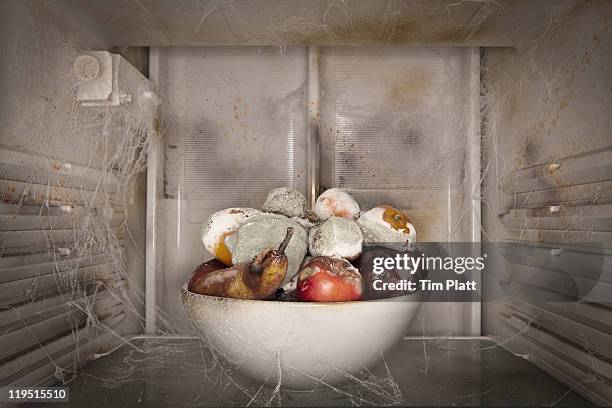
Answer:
(203, 270)
(258, 279)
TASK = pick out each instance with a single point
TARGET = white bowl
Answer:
(306, 343)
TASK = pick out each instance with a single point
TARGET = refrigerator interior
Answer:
(487, 121)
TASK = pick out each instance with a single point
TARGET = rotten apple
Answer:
(327, 279)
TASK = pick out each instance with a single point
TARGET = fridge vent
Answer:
(51, 266)
(557, 219)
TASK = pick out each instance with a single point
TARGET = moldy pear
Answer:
(257, 279)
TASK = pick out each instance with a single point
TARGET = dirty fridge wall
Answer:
(72, 211)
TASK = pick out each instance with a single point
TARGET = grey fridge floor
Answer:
(167, 372)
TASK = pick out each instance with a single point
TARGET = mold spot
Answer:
(408, 87)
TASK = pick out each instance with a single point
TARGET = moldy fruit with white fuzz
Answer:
(326, 279)
(285, 201)
(385, 224)
(335, 202)
(339, 237)
(266, 231)
(220, 225)
(308, 221)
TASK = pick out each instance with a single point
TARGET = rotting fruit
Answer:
(258, 279)
(393, 275)
(203, 270)
(328, 279)
(386, 224)
(219, 226)
(335, 202)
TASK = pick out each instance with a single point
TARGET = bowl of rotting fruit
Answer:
(289, 293)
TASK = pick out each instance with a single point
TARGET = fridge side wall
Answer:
(547, 171)
(72, 187)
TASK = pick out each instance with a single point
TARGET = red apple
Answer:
(203, 270)
(327, 279)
